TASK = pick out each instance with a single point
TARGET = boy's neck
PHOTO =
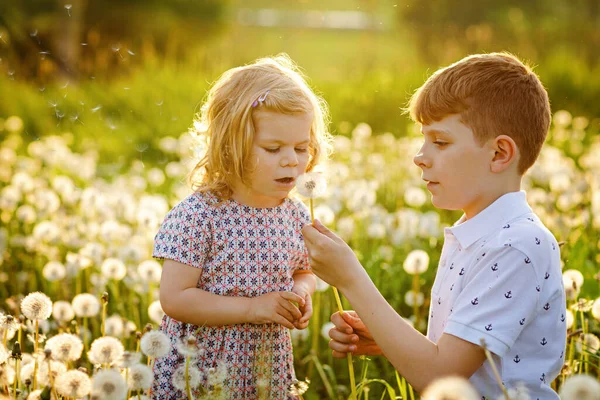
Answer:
(490, 196)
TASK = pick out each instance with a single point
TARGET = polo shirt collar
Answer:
(506, 208)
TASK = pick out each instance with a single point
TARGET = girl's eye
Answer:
(439, 143)
(301, 150)
(274, 150)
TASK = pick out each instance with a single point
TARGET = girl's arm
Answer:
(182, 300)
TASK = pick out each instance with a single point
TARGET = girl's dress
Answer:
(242, 251)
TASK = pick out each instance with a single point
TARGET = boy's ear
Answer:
(506, 153)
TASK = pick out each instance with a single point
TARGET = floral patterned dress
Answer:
(242, 251)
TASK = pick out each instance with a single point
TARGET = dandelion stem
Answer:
(35, 348)
(416, 289)
(187, 378)
(488, 355)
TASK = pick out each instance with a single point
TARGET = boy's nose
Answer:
(420, 160)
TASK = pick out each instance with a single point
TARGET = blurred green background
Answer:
(120, 75)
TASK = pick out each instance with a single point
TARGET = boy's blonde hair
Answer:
(226, 118)
(494, 94)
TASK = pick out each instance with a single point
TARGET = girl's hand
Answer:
(350, 335)
(276, 307)
(305, 309)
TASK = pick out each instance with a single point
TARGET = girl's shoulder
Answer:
(197, 202)
(298, 208)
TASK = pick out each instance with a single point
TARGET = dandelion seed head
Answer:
(62, 311)
(105, 350)
(155, 312)
(216, 376)
(311, 185)
(113, 268)
(178, 378)
(596, 309)
(189, 346)
(412, 298)
(325, 330)
(450, 388)
(56, 368)
(36, 306)
(573, 278)
(3, 354)
(7, 374)
(129, 359)
(140, 377)
(85, 305)
(73, 383)
(155, 344)
(109, 384)
(416, 262)
(580, 387)
(150, 271)
(65, 347)
(298, 388)
(113, 326)
(54, 271)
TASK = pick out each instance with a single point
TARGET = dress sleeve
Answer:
(302, 261)
(184, 235)
(498, 301)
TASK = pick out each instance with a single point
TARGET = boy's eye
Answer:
(440, 143)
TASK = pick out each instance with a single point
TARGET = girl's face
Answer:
(279, 155)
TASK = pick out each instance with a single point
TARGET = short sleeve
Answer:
(497, 302)
(185, 234)
(303, 261)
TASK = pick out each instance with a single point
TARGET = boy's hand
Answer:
(276, 307)
(350, 335)
(306, 308)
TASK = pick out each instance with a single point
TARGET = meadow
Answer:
(90, 166)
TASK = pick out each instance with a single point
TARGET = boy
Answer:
(499, 284)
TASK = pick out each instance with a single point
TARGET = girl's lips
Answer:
(431, 185)
(285, 182)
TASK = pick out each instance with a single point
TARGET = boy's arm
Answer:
(415, 357)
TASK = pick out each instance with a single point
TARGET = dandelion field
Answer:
(79, 289)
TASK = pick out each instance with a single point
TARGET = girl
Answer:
(235, 261)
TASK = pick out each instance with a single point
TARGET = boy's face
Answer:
(455, 167)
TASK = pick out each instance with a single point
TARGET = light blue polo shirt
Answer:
(500, 279)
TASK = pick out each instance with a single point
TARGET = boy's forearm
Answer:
(306, 280)
(412, 354)
(202, 308)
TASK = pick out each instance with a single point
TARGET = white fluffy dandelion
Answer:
(325, 330)
(105, 350)
(155, 344)
(73, 383)
(36, 306)
(62, 311)
(311, 185)
(113, 268)
(3, 354)
(113, 326)
(580, 387)
(7, 375)
(65, 347)
(589, 343)
(189, 346)
(178, 378)
(129, 359)
(412, 298)
(150, 271)
(109, 384)
(573, 279)
(216, 376)
(140, 377)
(86, 305)
(8, 324)
(596, 309)
(155, 312)
(416, 262)
(450, 388)
(55, 369)
(54, 271)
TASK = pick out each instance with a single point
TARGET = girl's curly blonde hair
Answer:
(227, 125)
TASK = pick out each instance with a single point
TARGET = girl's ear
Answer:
(506, 153)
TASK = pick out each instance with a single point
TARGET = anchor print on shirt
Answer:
(527, 260)
(462, 272)
(537, 288)
(543, 378)
(508, 294)
(495, 267)
(522, 322)
(517, 359)
(475, 301)
(530, 219)
(543, 342)
(480, 257)
(562, 317)
(506, 226)
(547, 275)
(547, 306)
(488, 327)
(537, 241)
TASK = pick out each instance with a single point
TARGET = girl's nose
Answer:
(289, 159)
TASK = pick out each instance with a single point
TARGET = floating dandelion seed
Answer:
(131, 52)
(117, 49)
(97, 108)
(68, 8)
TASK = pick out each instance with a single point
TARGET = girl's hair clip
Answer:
(260, 99)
